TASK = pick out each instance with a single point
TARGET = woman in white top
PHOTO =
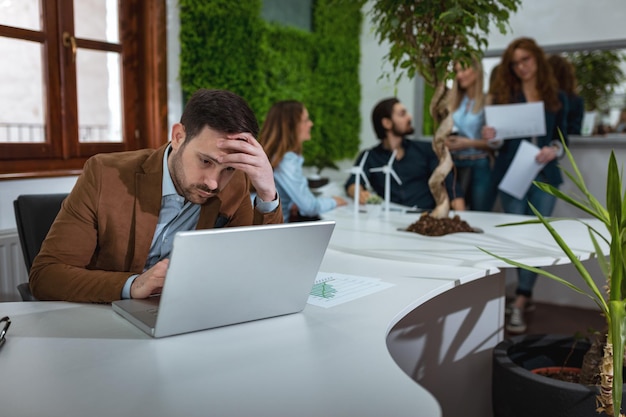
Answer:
(287, 126)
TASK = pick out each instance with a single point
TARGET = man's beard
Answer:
(409, 130)
(190, 191)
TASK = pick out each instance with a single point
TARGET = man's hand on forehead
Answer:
(244, 152)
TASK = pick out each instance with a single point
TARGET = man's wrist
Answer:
(270, 197)
(266, 206)
(126, 293)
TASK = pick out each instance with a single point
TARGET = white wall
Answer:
(558, 22)
(9, 190)
(373, 87)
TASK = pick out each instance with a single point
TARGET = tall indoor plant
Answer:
(598, 74)
(427, 37)
(612, 304)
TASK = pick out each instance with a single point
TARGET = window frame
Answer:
(143, 52)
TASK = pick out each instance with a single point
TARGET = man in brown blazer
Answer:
(112, 237)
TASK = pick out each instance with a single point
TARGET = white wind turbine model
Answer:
(357, 170)
(389, 172)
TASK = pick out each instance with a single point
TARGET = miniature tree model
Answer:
(427, 37)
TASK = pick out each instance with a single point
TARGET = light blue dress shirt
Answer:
(468, 124)
(294, 188)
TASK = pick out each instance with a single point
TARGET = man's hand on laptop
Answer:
(244, 152)
(150, 282)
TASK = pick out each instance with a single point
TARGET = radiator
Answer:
(12, 268)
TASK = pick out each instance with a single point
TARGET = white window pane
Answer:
(99, 96)
(22, 115)
(20, 13)
(96, 19)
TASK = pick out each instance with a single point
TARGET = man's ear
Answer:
(387, 123)
(178, 135)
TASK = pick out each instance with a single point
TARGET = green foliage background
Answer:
(598, 74)
(227, 44)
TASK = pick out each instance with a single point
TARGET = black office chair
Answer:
(34, 214)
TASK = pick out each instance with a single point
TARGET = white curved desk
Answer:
(379, 237)
(64, 359)
(445, 343)
(440, 317)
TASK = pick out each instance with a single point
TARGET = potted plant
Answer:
(612, 304)
(599, 73)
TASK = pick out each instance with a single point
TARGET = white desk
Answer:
(532, 244)
(439, 321)
(445, 344)
(67, 360)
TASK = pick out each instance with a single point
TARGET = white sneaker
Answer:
(529, 308)
(516, 321)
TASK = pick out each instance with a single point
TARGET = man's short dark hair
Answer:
(383, 109)
(221, 110)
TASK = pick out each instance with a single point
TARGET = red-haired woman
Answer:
(524, 75)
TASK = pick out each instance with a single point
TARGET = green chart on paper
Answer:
(323, 290)
(332, 289)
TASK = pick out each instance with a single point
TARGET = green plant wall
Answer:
(221, 47)
(226, 44)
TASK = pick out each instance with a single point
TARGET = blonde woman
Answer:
(287, 126)
(470, 153)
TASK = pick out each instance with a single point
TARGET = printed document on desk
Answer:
(330, 289)
(512, 121)
(522, 171)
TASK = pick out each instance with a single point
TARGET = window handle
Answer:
(70, 42)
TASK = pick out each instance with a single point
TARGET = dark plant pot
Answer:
(317, 182)
(517, 392)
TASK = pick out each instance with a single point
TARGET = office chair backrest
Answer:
(34, 214)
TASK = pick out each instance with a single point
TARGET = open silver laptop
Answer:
(219, 277)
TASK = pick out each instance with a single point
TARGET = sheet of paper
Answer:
(521, 120)
(522, 172)
(332, 289)
(589, 121)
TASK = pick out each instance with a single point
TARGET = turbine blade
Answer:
(365, 155)
(395, 176)
(367, 181)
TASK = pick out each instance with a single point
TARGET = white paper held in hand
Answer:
(521, 120)
(522, 171)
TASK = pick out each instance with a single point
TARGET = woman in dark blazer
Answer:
(524, 75)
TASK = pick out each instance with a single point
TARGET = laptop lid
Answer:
(218, 277)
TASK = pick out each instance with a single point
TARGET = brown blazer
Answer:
(103, 232)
